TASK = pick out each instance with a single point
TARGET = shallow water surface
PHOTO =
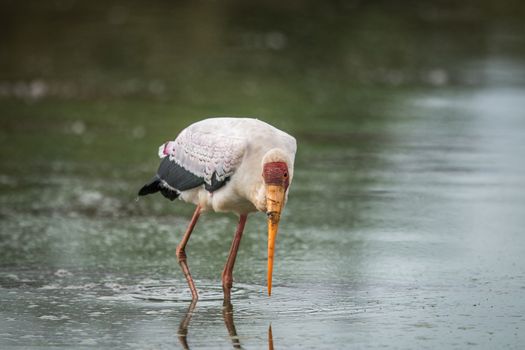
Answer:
(404, 222)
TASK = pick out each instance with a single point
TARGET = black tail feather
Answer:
(155, 185)
(151, 187)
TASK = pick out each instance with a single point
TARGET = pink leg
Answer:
(181, 254)
(227, 273)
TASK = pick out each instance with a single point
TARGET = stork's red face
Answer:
(277, 180)
(276, 173)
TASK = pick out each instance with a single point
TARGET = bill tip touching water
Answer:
(239, 165)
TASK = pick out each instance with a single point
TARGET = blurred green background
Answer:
(85, 83)
(88, 76)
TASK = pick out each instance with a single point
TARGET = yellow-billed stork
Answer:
(238, 165)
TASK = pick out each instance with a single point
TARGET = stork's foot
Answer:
(227, 284)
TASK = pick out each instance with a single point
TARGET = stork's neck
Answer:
(275, 155)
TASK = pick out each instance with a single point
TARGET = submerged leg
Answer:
(227, 273)
(181, 254)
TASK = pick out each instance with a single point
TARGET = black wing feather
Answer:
(177, 177)
(215, 184)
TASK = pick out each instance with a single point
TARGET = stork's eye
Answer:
(285, 175)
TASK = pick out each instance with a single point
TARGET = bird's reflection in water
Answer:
(270, 338)
(227, 315)
(184, 323)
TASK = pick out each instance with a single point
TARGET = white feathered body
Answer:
(234, 148)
